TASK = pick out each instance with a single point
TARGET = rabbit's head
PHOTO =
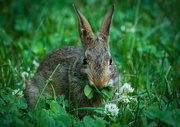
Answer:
(95, 60)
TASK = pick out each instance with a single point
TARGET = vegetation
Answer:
(144, 42)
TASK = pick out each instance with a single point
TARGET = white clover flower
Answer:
(19, 94)
(125, 99)
(126, 88)
(123, 28)
(111, 109)
(35, 63)
(132, 30)
(28, 69)
(24, 74)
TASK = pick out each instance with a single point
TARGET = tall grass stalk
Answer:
(48, 81)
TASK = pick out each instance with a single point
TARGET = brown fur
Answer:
(78, 67)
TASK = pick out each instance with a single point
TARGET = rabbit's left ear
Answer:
(83, 24)
(106, 23)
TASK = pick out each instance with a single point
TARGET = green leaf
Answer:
(176, 116)
(14, 110)
(60, 124)
(144, 121)
(48, 97)
(153, 112)
(65, 118)
(153, 124)
(88, 121)
(167, 117)
(107, 92)
(21, 102)
(19, 122)
(62, 110)
(99, 122)
(142, 104)
(79, 124)
(88, 91)
(1, 101)
(61, 97)
(32, 113)
(5, 97)
(54, 106)
(49, 101)
(37, 47)
(115, 125)
(42, 117)
(110, 87)
(51, 122)
(42, 103)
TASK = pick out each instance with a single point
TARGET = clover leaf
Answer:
(88, 91)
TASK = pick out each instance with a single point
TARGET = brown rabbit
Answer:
(92, 65)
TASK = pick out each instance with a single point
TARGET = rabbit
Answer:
(93, 65)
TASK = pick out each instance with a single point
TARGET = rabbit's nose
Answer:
(99, 83)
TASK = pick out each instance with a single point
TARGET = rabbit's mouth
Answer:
(99, 83)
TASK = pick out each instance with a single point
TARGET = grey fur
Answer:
(72, 75)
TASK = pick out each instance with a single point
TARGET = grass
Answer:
(144, 42)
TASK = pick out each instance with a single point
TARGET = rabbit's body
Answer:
(91, 65)
(65, 56)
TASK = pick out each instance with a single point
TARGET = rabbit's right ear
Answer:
(105, 26)
(83, 24)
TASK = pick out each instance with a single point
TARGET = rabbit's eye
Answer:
(84, 61)
(110, 61)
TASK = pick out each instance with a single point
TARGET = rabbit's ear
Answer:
(83, 24)
(106, 23)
